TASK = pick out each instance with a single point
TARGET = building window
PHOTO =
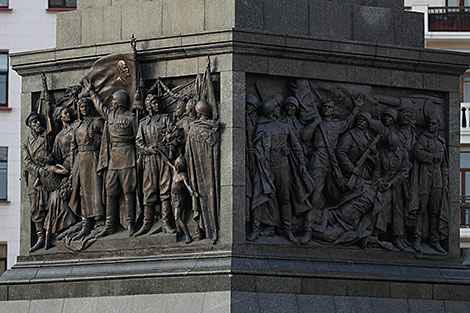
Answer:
(3, 79)
(465, 187)
(3, 173)
(62, 4)
(3, 257)
(3, 3)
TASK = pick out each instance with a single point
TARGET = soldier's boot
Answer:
(198, 233)
(166, 218)
(41, 237)
(290, 236)
(397, 242)
(434, 234)
(416, 234)
(436, 246)
(129, 202)
(87, 227)
(148, 221)
(185, 230)
(306, 237)
(111, 208)
(48, 240)
(255, 226)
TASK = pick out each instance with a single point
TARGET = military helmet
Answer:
(268, 106)
(278, 98)
(392, 112)
(252, 100)
(122, 98)
(366, 115)
(203, 107)
(293, 100)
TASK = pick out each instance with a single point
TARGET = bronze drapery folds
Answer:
(108, 154)
(371, 180)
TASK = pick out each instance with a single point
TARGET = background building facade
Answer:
(24, 25)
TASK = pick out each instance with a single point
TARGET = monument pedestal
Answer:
(252, 45)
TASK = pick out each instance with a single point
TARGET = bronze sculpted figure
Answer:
(151, 142)
(430, 152)
(118, 157)
(36, 157)
(273, 140)
(373, 185)
(202, 152)
(86, 200)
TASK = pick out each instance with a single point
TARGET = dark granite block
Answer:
(315, 304)
(425, 306)
(389, 305)
(250, 64)
(336, 287)
(441, 82)
(369, 75)
(278, 284)
(352, 304)
(373, 24)
(451, 292)
(396, 4)
(285, 67)
(307, 43)
(280, 14)
(410, 290)
(368, 288)
(409, 29)
(3, 292)
(249, 14)
(407, 79)
(277, 303)
(243, 283)
(322, 12)
(244, 302)
(326, 71)
(456, 306)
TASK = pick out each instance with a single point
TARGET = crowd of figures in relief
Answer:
(341, 164)
(111, 153)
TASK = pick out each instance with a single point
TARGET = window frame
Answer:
(63, 6)
(5, 258)
(3, 106)
(5, 7)
(6, 176)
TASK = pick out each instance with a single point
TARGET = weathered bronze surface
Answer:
(143, 160)
(343, 164)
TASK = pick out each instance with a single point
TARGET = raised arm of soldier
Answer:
(102, 109)
(349, 121)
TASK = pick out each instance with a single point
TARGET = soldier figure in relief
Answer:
(151, 142)
(36, 156)
(430, 152)
(118, 157)
(86, 200)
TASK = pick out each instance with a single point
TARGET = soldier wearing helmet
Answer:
(274, 139)
(118, 157)
(202, 145)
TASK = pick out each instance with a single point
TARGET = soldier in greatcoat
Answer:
(36, 156)
(273, 141)
(430, 152)
(395, 168)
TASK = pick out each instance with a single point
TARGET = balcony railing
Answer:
(465, 116)
(449, 19)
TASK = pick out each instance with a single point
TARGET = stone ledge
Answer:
(251, 44)
(223, 271)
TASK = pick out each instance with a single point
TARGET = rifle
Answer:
(360, 163)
